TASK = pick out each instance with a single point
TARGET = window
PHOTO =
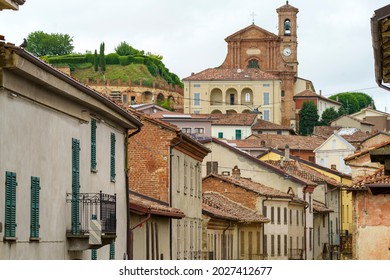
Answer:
(279, 245)
(287, 27)
(112, 169)
(186, 130)
(272, 245)
(247, 97)
(199, 130)
(10, 204)
(238, 134)
(75, 186)
(265, 211)
(34, 207)
(132, 100)
(266, 85)
(93, 144)
(220, 134)
(297, 218)
(124, 99)
(266, 98)
(212, 167)
(197, 85)
(285, 245)
(272, 215)
(242, 245)
(285, 215)
(266, 115)
(290, 216)
(265, 246)
(253, 63)
(278, 214)
(197, 99)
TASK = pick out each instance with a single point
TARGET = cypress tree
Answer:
(96, 61)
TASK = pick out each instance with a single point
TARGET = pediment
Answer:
(251, 32)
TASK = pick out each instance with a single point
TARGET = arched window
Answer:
(287, 27)
(253, 63)
(247, 97)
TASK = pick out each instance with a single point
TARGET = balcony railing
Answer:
(92, 206)
(295, 254)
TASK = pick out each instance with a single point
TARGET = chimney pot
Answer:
(236, 172)
(287, 152)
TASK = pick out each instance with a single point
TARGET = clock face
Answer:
(287, 52)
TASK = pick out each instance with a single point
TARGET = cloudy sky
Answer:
(334, 37)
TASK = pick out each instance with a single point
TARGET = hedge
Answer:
(124, 60)
(67, 59)
(112, 58)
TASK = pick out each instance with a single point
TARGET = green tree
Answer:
(329, 115)
(353, 101)
(124, 49)
(102, 58)
(96, 61)
(308, 118)
(41, 43)
(342, 111)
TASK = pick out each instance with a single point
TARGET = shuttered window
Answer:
(112, 250)
(10, 204)
(75, 186)
(112, 169)
(238, 134)
(34, 219)
(93, 145)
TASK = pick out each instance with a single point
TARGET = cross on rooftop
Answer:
(253, 17)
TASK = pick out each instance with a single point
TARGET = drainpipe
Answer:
(170, 188)
(128, 230)
(263, 230)
(224, 241)
(304, 228)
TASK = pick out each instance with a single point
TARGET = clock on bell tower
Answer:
(287, 26)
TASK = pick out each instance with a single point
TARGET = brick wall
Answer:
(237, 194)
(148, 153)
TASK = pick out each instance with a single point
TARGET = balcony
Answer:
(93, 220)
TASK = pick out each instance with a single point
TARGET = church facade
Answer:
(259, 74)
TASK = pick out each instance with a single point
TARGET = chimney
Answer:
(287, 152)
(333, 166)
(236, 173)
(320, 92)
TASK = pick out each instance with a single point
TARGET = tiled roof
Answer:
(144, 204)
(309, 93)
(252, 186)
(295, 142)
(378, 177)
(293, 167)
(355, 119)
(246, 143)
(326, 131)
(363, 152)
(266, 125)
(231, 74)
(222, 207)
(320, 207)
(234, 119)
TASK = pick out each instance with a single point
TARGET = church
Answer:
(259, 75)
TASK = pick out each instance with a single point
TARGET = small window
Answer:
(278, 214)
(124, 99)
(186, 130)
(272, 245)
(238, 134)
(93, 145)
(253, 63)
(112, 156)
(132, 100)
(34, 207)
(266, 98)
(287, 27)
(212, 167)
(199, 130)
(266, 115)
(285, 215)
(197, 99)
(10, 205)
(247, 97)
(220, 134)
(272, 215)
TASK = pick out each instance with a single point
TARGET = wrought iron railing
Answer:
(84, 206)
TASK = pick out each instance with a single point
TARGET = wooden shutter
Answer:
(75, 186)
(34, 219)
(113, 140)
(10, 204)
(112, 250)
(93, 145)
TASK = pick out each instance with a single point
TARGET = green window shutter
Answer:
(94, 251)
(93, 145)
(75, 186)
(238, 134)
(10, 204)
(220, 134)
(112, 250)
(113, 140)
(34, 219)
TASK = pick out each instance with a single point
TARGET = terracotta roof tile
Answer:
(142, 203)
(320, 207)
(297, 169)
(295, 142)
(252, 186)
(224, 208)
(308, 93)
(234, 119)
(378, 177)
(363, 152)
(355, 119)
(231, 74)
(266, 125)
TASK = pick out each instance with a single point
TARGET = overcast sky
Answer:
(334, 37)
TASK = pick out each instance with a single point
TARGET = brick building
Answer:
(166, 165)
